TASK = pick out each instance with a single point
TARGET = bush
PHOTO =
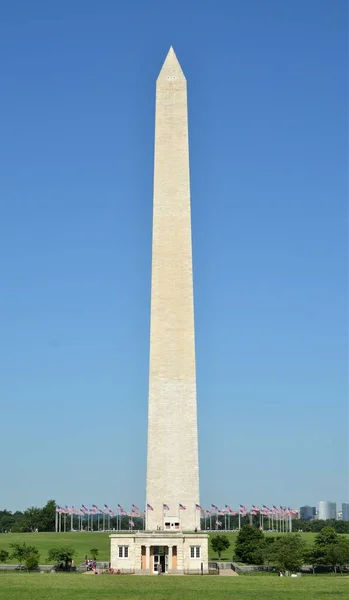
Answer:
(21, 551)
(32, 562)
(94, 553)
(4, 556)
(62, 556)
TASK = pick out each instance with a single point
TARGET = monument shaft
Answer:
(172, 461)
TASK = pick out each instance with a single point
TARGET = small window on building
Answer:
(123, 551)
(195, 551)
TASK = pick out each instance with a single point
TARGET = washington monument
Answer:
(172, 456)
(171, 542)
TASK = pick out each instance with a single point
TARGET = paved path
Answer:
(228, 573)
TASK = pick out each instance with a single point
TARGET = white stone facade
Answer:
(172, 462)
(175, 553)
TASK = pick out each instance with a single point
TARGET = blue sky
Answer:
(267, 85)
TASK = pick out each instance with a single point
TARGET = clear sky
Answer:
(267, 85)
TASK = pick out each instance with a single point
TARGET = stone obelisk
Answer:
(172, 461)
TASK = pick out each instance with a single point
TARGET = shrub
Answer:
(32, 562)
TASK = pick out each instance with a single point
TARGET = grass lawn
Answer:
(23, 586)
(84, 541)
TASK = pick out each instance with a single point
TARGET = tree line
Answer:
(288, 552)
(43, 519)
(62, 557)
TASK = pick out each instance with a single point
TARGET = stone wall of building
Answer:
(180, 557)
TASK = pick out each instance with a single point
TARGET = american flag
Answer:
(221, 513)
(110, 510)
(135, 508)
(181, 507)
(214, 507)
(120, 507)
(165, 507)
(149, 507)
(84, 509)
(243, 510)
(228, 507)
(131, 523)
(198, 507)
(219, 524)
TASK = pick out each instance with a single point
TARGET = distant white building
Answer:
(327, 510)
(345, 511)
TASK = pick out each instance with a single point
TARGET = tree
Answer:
(94, 553)
(220, 543)
(268, 549)
(22, 551)
(250, 545)
(48, 516)
(310, 557)
(327, 536)
(4, 556)
(337, 554)
(32, 518)
(288, 552)
(62, 556)
(324, 553)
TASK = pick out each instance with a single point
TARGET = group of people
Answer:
(90, 564)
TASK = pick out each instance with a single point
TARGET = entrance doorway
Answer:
(160, 559)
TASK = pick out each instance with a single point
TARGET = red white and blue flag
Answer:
(181, 507)
(110, 510)
(198, 507)
(219, 524)
(214, 507)
(149, 507)
(135, 508)
(165, 507)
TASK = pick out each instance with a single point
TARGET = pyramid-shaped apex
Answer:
(171, 69)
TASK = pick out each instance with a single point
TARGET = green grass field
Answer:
(83, 542)
(23, 586)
